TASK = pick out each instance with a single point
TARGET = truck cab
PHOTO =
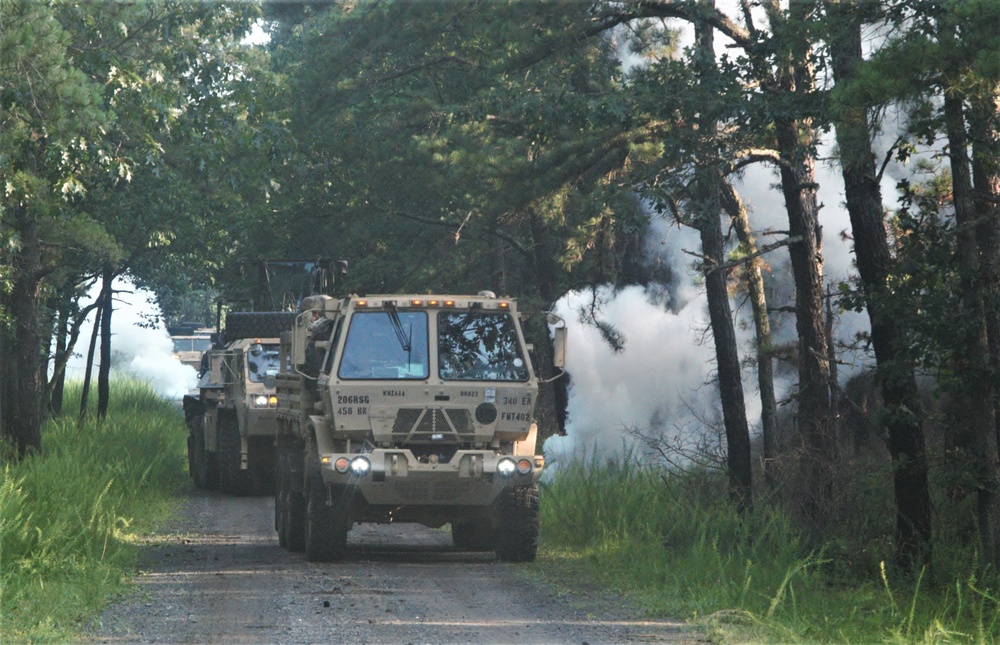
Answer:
(408, 408)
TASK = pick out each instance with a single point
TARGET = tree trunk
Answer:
(62, 357)
(762, 326)
(57, 383)
(708, 184)
(894, 371)
(986, 181)
(977, 389)
(104, 370)
(24, 418)
(89, 367)
(795, 138)
(553, 396)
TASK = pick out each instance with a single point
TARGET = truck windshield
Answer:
(262, 361)
(479, 346)
(383, 346)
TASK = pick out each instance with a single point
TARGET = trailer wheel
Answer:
(517, 525)
(326, 525)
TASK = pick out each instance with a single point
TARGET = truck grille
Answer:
(419, 425)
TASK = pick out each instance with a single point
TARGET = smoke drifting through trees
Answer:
(139, 350)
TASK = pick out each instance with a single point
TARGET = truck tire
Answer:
(476, 535)
(233, 480)
(205, 474)
(326, 525)
(257, 324)
(280, 499)
(517, 525)
(289, 509)
(295, 522)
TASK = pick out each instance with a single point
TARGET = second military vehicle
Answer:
(408, 408)
(231, 421)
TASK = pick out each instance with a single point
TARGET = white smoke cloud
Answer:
(665, 373)
(138, 350)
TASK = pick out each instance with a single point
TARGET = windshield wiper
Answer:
(401, 335)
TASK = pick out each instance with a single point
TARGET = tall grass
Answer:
(673, 545)
(70, 518)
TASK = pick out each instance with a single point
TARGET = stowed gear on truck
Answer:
(231, 422)
(401, 408)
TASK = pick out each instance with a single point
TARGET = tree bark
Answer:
(795, 138)
(89, 367)
(977, 389)
(762, 326)
(986, 184)
(708, 209)
(104, 370)
(894, 371)
(58, 381)
(24, 418)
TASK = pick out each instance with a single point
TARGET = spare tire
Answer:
(257, 324)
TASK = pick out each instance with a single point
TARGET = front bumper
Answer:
(397, 477)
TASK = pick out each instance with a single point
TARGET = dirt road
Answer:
(217, 575)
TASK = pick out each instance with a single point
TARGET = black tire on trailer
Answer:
(474, 535)
(517, 525)
(326, 524)
(257, 324)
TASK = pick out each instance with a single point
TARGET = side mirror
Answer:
(559, 347)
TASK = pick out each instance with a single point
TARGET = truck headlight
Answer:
(260, 401)
(360, 466)
(506, 467)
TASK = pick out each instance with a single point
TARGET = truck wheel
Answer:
(517, 525)
(280, 497)
(476, 535)
(289, 509)
(295, 520)
(234, 480)
(205, 475)
(191, 469)
(326, 526)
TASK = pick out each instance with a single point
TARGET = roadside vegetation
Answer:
(71, 520)
(672, 546)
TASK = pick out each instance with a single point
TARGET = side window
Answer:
(332, 348)
(383, 345)
(475, 346)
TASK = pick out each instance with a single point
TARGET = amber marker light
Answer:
(433, 303)
(504, 305)
(449, 303)
(361, 303)
(416, 303)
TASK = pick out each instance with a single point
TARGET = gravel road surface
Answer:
(217, 575)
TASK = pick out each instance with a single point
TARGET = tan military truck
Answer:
(231, 421)
(408, 408)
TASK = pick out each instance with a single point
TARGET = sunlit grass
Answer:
(70, 519)
(675, 548)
